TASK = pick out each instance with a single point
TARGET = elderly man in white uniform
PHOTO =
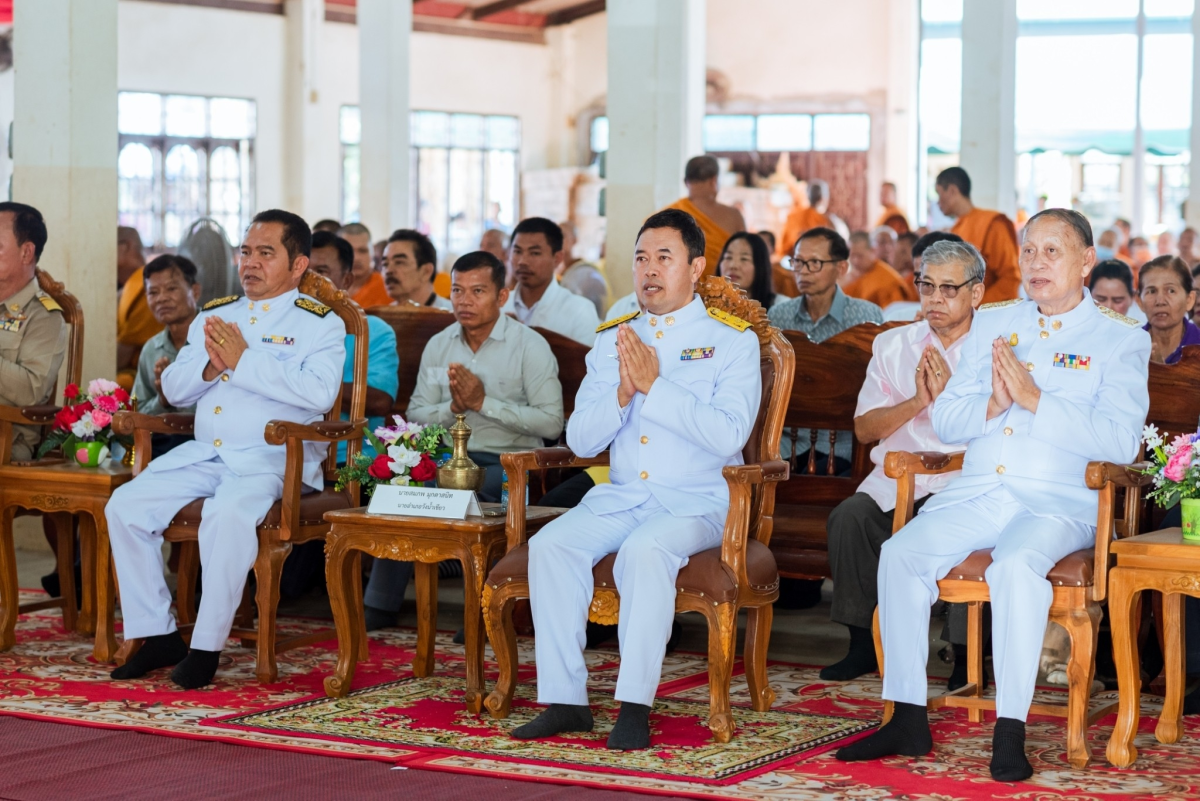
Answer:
(1043, 387)
(673, 394)
(273, 355)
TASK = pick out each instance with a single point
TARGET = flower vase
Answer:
(90, 454)
(1190, 510)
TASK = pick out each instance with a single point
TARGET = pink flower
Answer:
(101, 386)
(108, 403)
(101, 418)
(1177, 465)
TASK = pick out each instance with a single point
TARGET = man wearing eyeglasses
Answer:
(910, 366)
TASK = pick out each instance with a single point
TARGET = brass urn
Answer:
(460, 473)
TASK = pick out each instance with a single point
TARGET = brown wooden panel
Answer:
(1175, 393)
(414, 326)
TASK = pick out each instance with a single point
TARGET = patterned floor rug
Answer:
(50, 675)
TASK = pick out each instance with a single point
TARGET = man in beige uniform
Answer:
(33, 335)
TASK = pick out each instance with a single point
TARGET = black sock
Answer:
(859, 660)
(197, 669)
(1009, 763)
(159, 651)
(632, 730)
(1191, 702)
(958, 676)
(556, 719)
(906, 734)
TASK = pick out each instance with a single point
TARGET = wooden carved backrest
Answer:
(572, 365)
(1175, 409)
(414, 326)
(319, 287)
(777, 363)
(72, 312)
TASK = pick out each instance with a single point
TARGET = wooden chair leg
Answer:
(975, 655)
(105, 646)
(268, 569)
(1124, 612)
(10, 599)
(722, 642)
(754, 656)
(340, 566)
(360, 613)
(1083, 626)
(185, 582)
(502, 634)
(85, 622)
(1168, 729)
(877, 636)
(427, 581)
(64, 527)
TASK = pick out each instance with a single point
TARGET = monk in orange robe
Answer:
(872, 279)
(718, 221)
(893, 216)
(367, 287)
(135, 322)
(991, 232)
(805, 218)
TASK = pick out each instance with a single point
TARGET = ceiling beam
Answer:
(495, 7)
(569, 14)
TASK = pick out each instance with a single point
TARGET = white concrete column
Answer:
(656, 97)
(989, 81)
(384, 30)
(901, 163)
(1193, 203)
(65, 153)
(304, 160)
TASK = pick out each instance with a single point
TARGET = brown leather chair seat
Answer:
(1074, 570)
(704, 574)
(313, 506)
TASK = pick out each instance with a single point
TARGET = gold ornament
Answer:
(460, 472)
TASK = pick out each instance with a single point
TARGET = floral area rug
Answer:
(50, 675)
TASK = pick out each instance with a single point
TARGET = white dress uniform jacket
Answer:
(667, 500)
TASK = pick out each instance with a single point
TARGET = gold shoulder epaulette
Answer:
(1120, 318)
(1001, 304)
(613, 323)
(213, 304)
(730, 320)
(49, 303)
(319, 309)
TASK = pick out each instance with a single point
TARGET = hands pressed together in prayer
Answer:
(638, 364)
(225, 345)
(466, 390)
(162, 364)
(1011, 382)
(933, 373)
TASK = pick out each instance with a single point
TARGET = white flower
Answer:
(387, 435)
(1151, 437)
(402, 457)
(84, 427)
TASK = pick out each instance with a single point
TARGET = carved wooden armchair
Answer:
(717, 583)
(52, 486)
(297, 518)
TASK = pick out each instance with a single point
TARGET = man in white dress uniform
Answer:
(272, 355)
(1043, 387)
(672, 393)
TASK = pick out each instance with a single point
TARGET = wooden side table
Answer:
(475, 542)
(1163, 561)
(64, 489)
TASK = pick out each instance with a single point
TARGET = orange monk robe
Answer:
(373, 293)
(799, 220)
(895, 218)
(441, 284)
(714, 235)
(881, 285)
(135, 322)
(996, 238)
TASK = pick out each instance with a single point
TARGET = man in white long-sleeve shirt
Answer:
(271, 355)
(538, 299)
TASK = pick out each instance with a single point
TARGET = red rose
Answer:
(121, 395)
(381, 468)
(65, 418)
(71, 392)
(425, 470)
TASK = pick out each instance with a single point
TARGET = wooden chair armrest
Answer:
(28, 415)
(278, 432)
(772, 471)
(548, 458)
(1123, 475)
(921, 463)
(129, 423)
(741, 480)
(518, 465)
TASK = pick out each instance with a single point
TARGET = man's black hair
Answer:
(168, 261)
(480, 260)
(423, 248)
(685, 224)
(28, 225)
(838, 249)
(297, 236)
(921, 245)
(955, 176)
(345, 251)
(540, 225)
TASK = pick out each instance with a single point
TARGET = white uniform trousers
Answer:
(652, 545)
(139, 512)
(1026, 547)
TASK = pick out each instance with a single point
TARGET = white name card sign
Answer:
(423, 502)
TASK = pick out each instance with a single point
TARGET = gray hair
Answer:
(963, 254)
(1071, 218)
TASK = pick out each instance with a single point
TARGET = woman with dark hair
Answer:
(746, 263)
(1166, 294)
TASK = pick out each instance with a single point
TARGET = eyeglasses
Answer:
(805, 265)
(949, 291)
